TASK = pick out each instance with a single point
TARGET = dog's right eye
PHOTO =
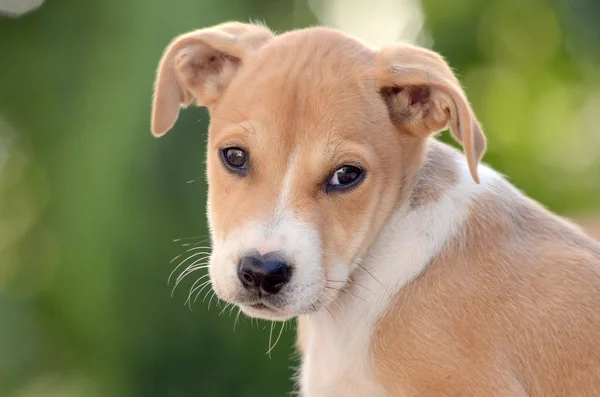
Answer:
(235, 159)
(344, 178)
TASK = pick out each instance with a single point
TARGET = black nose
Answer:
(261, 273)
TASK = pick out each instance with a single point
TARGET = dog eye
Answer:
(235, 159)
(344, 177)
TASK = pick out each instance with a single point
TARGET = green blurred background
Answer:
(90, 203)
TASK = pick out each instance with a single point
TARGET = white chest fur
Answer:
(337, 361)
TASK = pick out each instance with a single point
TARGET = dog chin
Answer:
(266, 313)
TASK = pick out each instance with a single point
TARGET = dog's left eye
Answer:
(344, 177)
(235, 159)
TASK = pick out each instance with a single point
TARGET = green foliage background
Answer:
(90, 203)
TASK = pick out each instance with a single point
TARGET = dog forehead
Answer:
(320, 45)
(292, 98)
(304, 62)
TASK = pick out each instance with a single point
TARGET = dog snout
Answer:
(267, 273)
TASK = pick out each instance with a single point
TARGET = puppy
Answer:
(413, 270)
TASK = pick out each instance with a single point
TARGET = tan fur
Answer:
(591, 224)
(437, 175)
(198, 66)
(508, 308)
(413, 68)
(513, 312)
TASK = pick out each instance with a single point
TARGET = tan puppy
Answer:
(412, 269)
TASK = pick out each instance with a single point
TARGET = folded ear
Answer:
(424, 97)
(198, 66)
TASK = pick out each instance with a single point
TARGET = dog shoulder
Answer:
(511, 294)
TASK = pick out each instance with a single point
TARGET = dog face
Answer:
(315, 139)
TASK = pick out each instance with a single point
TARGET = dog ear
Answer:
(424, 97)
(198, 66)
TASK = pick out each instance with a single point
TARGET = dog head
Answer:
(315, 139)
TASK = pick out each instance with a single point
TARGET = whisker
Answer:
(204, 285)
(202, 243)
(186, 251)
(200, 263)
(211, 298)
(337, 303)
(362, 286)
(314, 307)
(278, 337)
(253, 129)
(351, 283)
(225, 308)
(196, 265)
(204, 237)
(374, 278)
(182, 262)
(195, 244)
(344, 290)
(331, 314)
(328, 311)
(237, 317)
(270, 337)
(186, 273)
(354, 295)
(205, 295)
(194, 288)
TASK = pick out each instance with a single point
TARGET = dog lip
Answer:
(259, 306)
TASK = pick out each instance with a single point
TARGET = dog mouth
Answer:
(264, 307)
(259, 306)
